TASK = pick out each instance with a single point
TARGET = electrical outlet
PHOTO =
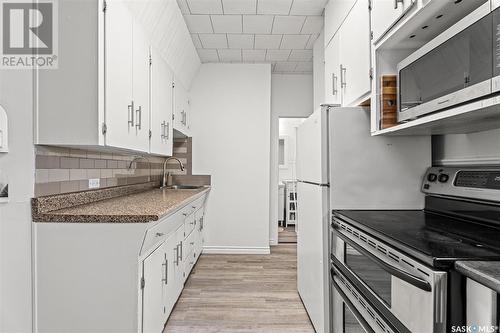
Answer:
(94, 183)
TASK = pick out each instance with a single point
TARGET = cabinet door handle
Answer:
(334, 84)
(166, 270)
(163, 130)
(176, 261)
(343, 72)
(130, 110)
(139, 116)
(167, 130)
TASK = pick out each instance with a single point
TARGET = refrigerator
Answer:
(339, 165)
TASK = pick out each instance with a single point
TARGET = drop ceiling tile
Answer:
(183, 6)
(285, 67)
(254, 55)
(301, 55)
(288, 24)
(308, 7)
(213, 41)
(257, 24)
(278, 7)
(239, 6)
(277, 55)
(311, 41)
(229, 55)
(294, 41)
(267, 41)
(240, 41)
(196, 41)
(226, 23)
(306, 67)
(198, 23)
(312, 25)
(208, 55)
(205, 6)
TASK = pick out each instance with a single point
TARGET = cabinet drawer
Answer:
(160, 232)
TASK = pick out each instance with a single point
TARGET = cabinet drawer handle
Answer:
(139, 117)
(396, 2)
(192, 243)
(130, 110)
(160, 234)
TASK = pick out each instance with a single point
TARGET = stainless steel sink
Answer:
(183, 187)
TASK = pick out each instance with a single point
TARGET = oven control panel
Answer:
(472, 183)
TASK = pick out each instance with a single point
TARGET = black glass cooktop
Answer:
(433, 238)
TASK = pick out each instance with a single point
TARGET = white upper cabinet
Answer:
(332, 71)
(100, 96)
(335, 13)
(386, 13)
(181, 108)
(127, 76)
(355, 57)
(161, 106)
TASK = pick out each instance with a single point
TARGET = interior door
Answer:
(310, 253)
(119, 108)
(141, 87)
(154, 273)
(161, 105)
(355, 56)
(332, 72)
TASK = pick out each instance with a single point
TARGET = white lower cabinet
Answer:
(155, 271)
(167, 267)
(112, 277)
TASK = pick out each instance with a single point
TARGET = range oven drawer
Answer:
(409, 294)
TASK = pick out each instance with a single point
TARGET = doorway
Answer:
(287, 180)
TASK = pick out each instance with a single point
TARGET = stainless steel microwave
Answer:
(460, 65)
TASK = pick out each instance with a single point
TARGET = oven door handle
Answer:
(351, 306)
(399, 273)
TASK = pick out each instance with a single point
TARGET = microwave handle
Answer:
(351, 306)
(399, 273)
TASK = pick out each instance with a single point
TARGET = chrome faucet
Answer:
(167, 178)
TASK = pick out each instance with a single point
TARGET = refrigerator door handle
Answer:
(313, 183)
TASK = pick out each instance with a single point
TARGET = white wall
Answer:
(15, 217)
(291, 96)
(473, 148)
(230, 125)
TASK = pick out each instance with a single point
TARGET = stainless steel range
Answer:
(392, 271)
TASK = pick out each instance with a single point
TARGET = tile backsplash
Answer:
(63, 170)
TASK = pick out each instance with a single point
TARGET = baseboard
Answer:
(273, 242)
(236, 250)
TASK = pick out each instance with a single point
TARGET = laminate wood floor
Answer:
(287, 235)
(242, 294)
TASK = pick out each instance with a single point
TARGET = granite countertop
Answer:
(485, 272)
(140, 207)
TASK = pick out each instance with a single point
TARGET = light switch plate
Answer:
(94, 183)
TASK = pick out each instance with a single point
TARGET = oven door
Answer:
(352, 312)
(402, 288)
